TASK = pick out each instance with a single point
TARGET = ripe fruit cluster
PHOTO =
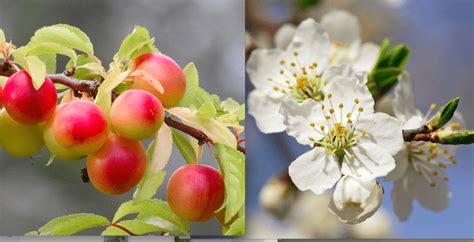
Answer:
(116, 159)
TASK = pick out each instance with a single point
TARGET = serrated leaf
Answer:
(134, 226)
(192, 84)
(63, 35)
(71, 224)
(207, 110)
(184, 147)
(237, 228)
(34, 66)
(133, 42)
(153, 209)
(158, 153)
(232, 164)
(52, 48)
(218, 132)
(49, 61)
(145, 76)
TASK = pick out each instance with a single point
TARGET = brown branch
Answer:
(123, 228)
(423, 133)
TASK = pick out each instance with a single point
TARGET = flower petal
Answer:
(342, 26)
(345, 90)
(401, 164)
(284, 35)
(370, 161)
(355, 200)
(261, 65)
(312, 44)
(383, 130)
(265, 111)
(434, 198)
(368, 55)
(315, 171)
(298, 119)
(403, 193)
(404, 101)
(343, 70)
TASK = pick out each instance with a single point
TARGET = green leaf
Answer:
(399, 56)
(383, 51)
(34, 66)
(87, 68)
(207, 110)
(217, 131)
(444, 114)
(158, 154)
(233, 107)
(63, 35)
(192, 84)
(71, 224)
(52, 48)
(456, 137)
(133, 42)
(184, 147)
(134, 226)
(104, 94)
(232, 164)
(383, 73)
(237, 228)
(49, 61)
(156, 209)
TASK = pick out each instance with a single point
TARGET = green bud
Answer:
(443, 115)
(456, 137)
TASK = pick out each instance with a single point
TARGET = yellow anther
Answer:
(348, 115)
(432, 184)
(442, 165)
(292, 64)
(328, 117)
(295, 75)
(331, 110)
(317, 98)
(282, 72)
(445, 178)
(456, 125)
(322, 127)
(282, 62)
(323, 106)
(433, 106)
(270, 79)
(364, 132)
(276, 88)
(301, 83)
(341, 105)
(434, 172)
(361, 109)
(356, 101)
(311, 139)
(283, 91)
(312, 124)
(349, 121)
(295, 53)
(329, 95)
(325, 82)
(305, 96)
(287, 82)
(315, 64)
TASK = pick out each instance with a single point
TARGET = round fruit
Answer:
(164, 69)
(17, 139)
(195, 192)
(136, 115)
(118, 166)
(76, 129)
(25, 104)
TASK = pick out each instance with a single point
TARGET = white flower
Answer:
(294, 68)
(295, 71)
(355, 200)
(346, 48)
(378, 226)
(419, 171)
(348, 138)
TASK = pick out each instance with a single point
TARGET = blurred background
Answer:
(206, 32)
(441, 36)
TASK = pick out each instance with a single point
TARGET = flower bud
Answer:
(444, 114)
(277, 196)
(355, 200)
(456, 137)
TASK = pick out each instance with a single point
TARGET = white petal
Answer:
(343, 70)
(368, 55)
(413, 122)
(315, 171)
(355, 200)
(342, 26)
(261, 65)
(297, 119)
(434, 198)
(345, 90)
(401, 164)
(312, 44)
(383, 130)
(403, 193)
(370, 161)
(265, 111)
(284, 35)
(404, 101)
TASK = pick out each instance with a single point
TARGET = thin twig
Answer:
(123, 228)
